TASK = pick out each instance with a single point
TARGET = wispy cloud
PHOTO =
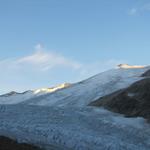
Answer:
(45, 68)
(146, 7)
(139, 9)
(46, 60)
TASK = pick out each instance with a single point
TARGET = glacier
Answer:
(74, 128)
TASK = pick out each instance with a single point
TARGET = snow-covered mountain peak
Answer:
(83, 92)
(127, 66)
(52, 89)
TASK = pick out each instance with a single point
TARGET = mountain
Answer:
(84, 92)
(63, 118)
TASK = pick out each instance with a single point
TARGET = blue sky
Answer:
(47, 42)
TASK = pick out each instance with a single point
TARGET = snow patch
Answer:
(131, 94)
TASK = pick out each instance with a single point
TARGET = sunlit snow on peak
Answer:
(53, 89)
(126, 66)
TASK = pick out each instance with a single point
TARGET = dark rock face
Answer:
(146, 74)
(133, 101)
(9, 144)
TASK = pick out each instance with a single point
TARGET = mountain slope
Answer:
(82, 93)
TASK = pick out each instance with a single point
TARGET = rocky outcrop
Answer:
(9, 144)
(146, 74)
(133, 101)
